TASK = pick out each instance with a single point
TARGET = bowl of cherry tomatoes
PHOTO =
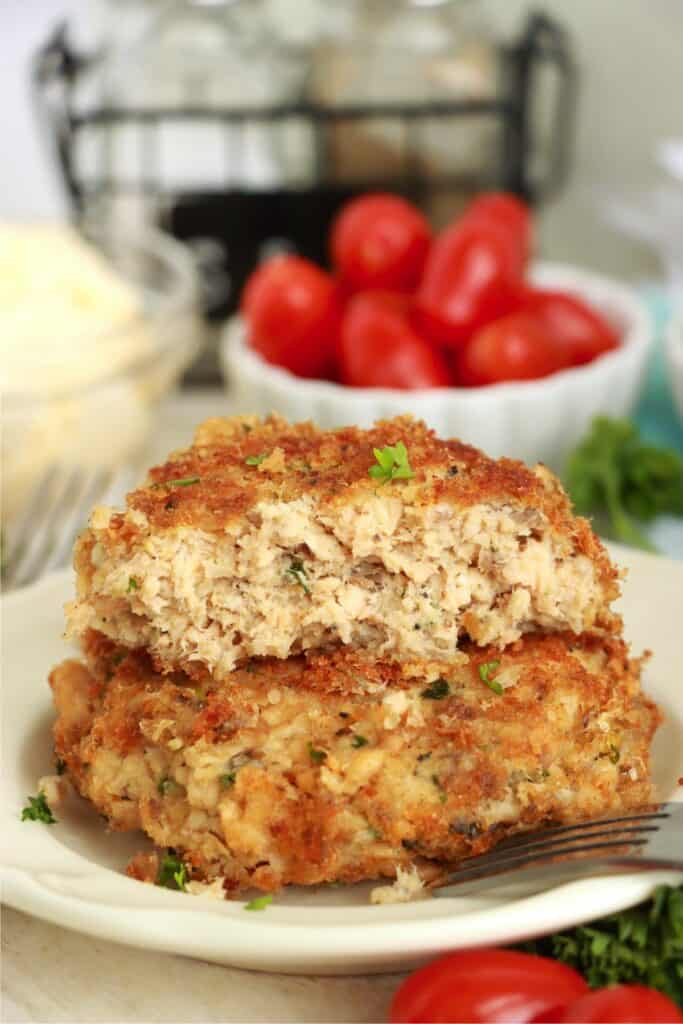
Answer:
(463, 329)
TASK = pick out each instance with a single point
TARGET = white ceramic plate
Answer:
(71, 873)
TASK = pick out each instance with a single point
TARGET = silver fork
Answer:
(647, 841)
(50, 519)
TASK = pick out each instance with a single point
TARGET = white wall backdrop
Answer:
(631, 62)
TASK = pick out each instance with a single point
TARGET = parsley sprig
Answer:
(256, 460)
(297, 571)
(392, 463)
(436, 690)
(485, 675)
(643, 945)
(259, 902)
(37, 809)
(616, 477)
(186, 481)
(172, 873)
(317, 756)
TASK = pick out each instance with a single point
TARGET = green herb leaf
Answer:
(392, 463)
(184, 482)
(256, 460)
(169, 787)
(298, 573)
(436, 690)
(37, 809)
(132, 585)
(172, 873)
(616, 477)
(316, 756)
(227, 779)
(358, 741)
(259, 902)
(443, 796)
(614, 753)
(484, 675)
(643, 945)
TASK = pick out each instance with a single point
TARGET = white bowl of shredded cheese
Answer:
(92, 335)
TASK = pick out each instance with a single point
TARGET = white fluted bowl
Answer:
(536, 421)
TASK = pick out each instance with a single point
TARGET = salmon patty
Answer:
(335, 767)
(266, 539)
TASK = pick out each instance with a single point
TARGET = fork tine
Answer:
(47, 526)
(523, 860)
(498, 855)
(21, 540)
(92, 489)
(522, 838)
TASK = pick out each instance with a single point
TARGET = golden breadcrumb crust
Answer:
(335, 767)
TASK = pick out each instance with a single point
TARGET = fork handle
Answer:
(564, 872)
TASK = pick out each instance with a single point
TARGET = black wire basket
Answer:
(230, 225)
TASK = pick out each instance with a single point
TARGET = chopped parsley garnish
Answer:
(172, 873)
(298, 573)
(638, 946)
(316, 756)
(358, 741)
(227, 779)
(615, 476)
(169, 787)
(436, 690)
(60, 766)
(259, 902)
(392, 463)
(256, 460)
(37, 810)
(614, 753)
(443, 796)
(132, 585)
(375, 833)
(186, 481)
(485, 675)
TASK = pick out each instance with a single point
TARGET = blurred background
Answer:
(190, 141)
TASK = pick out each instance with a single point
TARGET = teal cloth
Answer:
(656, 414)
(658, 419)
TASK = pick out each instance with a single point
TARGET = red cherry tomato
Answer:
(571, 321)
(292, 309)
(491, 986)
(619, 1004)
(380, 241)
(509, 212)
(471, 278)
(380, 349)
(516, 347)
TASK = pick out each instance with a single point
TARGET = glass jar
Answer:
(409, 54)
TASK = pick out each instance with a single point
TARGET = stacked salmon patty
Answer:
(321, 656)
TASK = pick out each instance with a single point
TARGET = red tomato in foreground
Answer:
(516, 347)
(380, 241)
(380, 349)
(292, 309)
(573, 323)
(619, 1004)
(508, 212)
(486, 986)
(472, 277)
